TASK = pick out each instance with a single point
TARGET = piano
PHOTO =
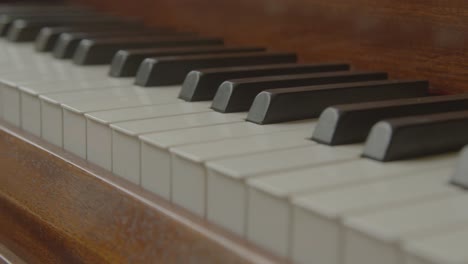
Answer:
(234, 132)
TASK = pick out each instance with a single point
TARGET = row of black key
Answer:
(403, 121)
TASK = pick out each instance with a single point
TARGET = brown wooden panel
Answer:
(407, 38)
(55, 208)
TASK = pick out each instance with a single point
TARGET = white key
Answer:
(10, 103)
(271, 192)
(99, 134)
(156, 158)
(226, 188)
(126, 146)
(320, 212)
(74, 121)
(64, 72)
(188, 187)
(447, 247)
(11, 83)
(54, 129)
(31, 105)
(376, 237)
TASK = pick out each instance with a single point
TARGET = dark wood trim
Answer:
(56, 208)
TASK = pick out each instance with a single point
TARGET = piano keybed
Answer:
(316, 163)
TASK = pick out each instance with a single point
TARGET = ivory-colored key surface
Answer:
(44, 78)
(317, 212)
(53, 112)
(376, 237)
(74, 121)
(156, 173)
(444, 247)
(126, 145)
(30, 106)
(10, 101)
(226, 188)
(99, 134)
(188, 187)
(274, 193)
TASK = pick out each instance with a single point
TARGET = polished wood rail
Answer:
(425, 39)
(56, 208)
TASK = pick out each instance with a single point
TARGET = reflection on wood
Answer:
(55, 208)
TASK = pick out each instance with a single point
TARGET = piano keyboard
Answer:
(314, 162)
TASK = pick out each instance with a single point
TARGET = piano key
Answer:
(16, 9)
(16, 88)
(30, 108)
(460, 176)
(444, 247)
(126, 62)
(188, 186)
(126, 145)
(415, 136)
(280, 105)
(378, 235)
(48, 36)
(318, 207)
(31, 8)
(172, 70)
(99, 133)
(156, 159)
(7, 19)
(69, 130)
(68, 43)
(10, 100)
(101, 51)
(238, 95)
(274, 193)
(10, 108)
(26, 30)
(13, 8)
(351, 123)
(201, 85)
(227, 208)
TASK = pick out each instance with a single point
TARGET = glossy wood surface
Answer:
(55, 208)
(408, 38)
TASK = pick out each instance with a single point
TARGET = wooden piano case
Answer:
(56, 208)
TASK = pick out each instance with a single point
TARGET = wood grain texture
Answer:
(55, 208)
(408, 38)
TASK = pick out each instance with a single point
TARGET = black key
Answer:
(6, 20)
(201, 85)
(172, 70)
(27, 30)
(126, 62)
(48, 36)
(238, 95)
(417, 136)
(101, 51)
(345, 124)
(67, 43)
(282, 105)
(12, 8)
